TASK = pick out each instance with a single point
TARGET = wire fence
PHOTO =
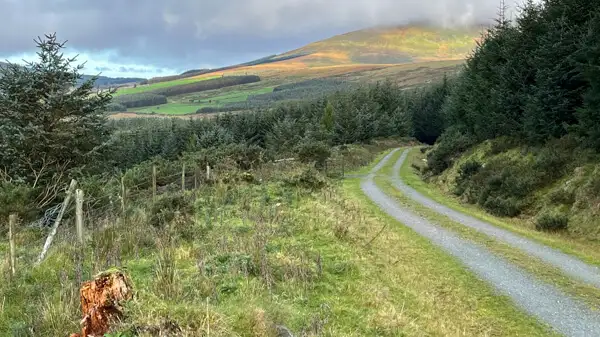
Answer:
(105, 204)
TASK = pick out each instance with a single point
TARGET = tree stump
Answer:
(101, 301)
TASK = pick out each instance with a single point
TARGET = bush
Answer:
(451, 143)
(552, 222)
(561, 196)
(308, 178)
(500, 206)
(166, 207)
(311, 151)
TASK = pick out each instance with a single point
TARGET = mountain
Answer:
(391, 45)
(366, 50)
(409, 55)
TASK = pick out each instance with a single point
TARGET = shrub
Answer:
(310, 151)
(468, 169)
(561, 196)
(166, 207)
(552, 222)
(309, 179)
(502, 206)
(451, 143)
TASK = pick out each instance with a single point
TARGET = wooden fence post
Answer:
(65, 204)
(123, 193)
(196, 178)
(12, 223)
(183, 178)
(153, 182)
(79, 215)
(207, 172)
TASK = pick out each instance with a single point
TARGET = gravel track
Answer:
(568, 264)
(545, 302)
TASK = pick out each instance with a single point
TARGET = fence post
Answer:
(12, 223)
(153, 182)
(79, 215)
(58, 220)
(207, 172)
(123, 193)
(196, 178)
(183, 178)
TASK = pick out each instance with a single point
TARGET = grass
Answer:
(150, 87)
(244, 257)
(178, 106)
(552, 275)
(584, 249)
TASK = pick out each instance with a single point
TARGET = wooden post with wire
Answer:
(123, 191)
(183, 178)
(12, 223)
(79, 215)
(153, 182)
(61, 213)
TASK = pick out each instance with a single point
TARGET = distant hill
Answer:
(104, 82)
(391, 45)
(410, 56)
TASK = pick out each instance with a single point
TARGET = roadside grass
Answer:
(586, 250)
(439, 294)
(239, 258)
(149, 87)
(552, 275)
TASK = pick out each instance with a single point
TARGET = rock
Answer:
(101, 301)
(282, 331)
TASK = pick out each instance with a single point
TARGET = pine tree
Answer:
(48, 124)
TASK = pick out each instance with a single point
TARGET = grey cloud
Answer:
(187, 33)
(101, 69)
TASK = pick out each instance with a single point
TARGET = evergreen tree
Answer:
(50, 126)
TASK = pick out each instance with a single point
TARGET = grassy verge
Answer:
(535, 266)
(585, 249)
(240, 258)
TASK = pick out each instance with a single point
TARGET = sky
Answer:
(147, 38)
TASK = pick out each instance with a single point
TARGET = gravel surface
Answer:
(564, 314)
(569, 265)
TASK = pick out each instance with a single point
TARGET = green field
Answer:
(150, 87)
(189, 104)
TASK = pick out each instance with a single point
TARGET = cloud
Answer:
(183, 34)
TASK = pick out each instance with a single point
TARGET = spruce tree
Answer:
(49, 126)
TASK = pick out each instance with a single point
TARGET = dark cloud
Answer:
(183, 34)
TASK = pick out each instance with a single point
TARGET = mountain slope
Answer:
(409, 55)
(391, 45)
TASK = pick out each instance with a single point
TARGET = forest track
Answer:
(544, 301)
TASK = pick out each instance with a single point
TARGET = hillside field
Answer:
(409, 55)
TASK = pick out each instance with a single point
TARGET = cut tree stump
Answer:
(101, 301)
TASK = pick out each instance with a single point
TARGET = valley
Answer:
(393, 181)
(410, 56)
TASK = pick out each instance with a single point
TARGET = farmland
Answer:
(145, 88)
(189, 104)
